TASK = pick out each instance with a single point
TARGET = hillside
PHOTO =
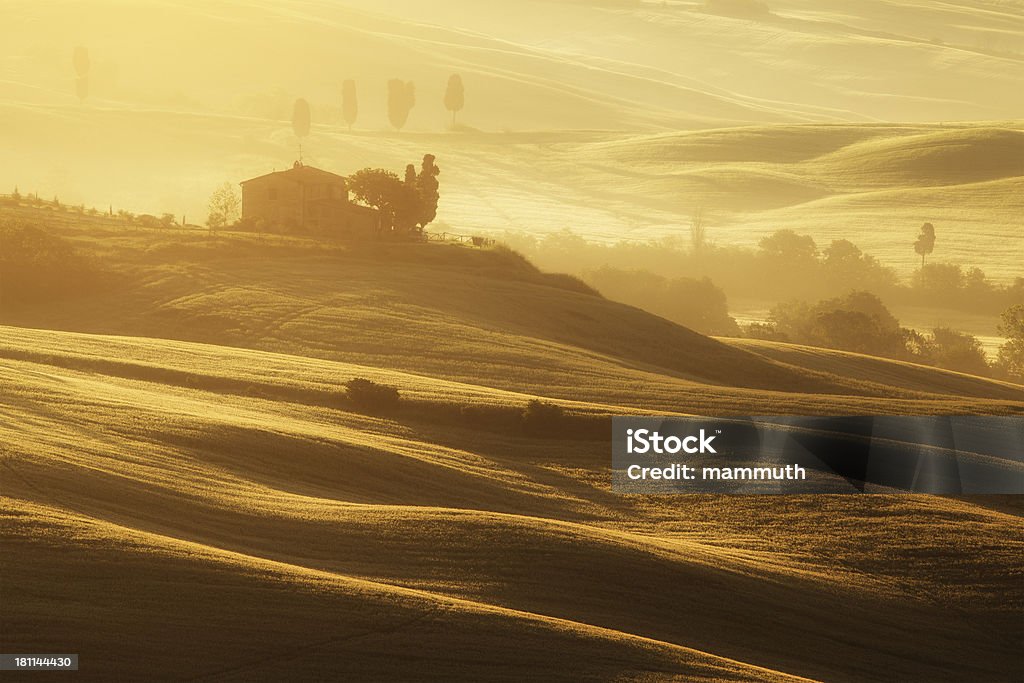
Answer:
(175, 431)
(363, 530)
(871, 184)
(255, 456)
(483, 317)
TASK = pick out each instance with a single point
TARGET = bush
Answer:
(541, 417)
(370, 396)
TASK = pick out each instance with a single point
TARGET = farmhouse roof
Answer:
(300, 174)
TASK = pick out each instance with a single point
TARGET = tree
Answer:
(427, 186)
(224, 205)
(349, 103)
(454, 96)
(925, 243)
(401, 100)
(698, 232)
(846, 266)
(80, 59)
(789, 246)
(958, 351)
(1011, 354)
(398, 202)
(858, 321)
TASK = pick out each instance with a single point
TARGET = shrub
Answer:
(541, 417)
(368, 395)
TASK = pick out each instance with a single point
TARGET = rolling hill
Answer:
(184, 449)
(188, 491)
(851, 120)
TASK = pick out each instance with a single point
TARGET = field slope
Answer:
(179, 465)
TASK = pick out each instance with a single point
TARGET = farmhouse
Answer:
(306, 199)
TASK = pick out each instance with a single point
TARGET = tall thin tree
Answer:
(925, 243)
(81, 63)
(401, 100)
(349, 103)
(454, 96)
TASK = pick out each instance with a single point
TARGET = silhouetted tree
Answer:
(300, 121)
(925, 243)
(789, 246)
(858, 322)
(958, 351)
(81, 64)
(224, 203)
(410, 174)
(454, 96)
(698, 232)
(698, 304)
(349, 103)
(1011, 354)
(428, 193)
(397, 201)
(401, 100)
(845, 266)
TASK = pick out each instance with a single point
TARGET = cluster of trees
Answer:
(401, 100)
(695, 303)
(785, 265)
(406, 204)
(860, 322)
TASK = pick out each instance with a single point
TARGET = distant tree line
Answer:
(860, 322)
(407, 204)
(401, 99)
(33, 200)
(785, 265)
(695, 303)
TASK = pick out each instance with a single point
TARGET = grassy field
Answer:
(187, 492)
(178, 464)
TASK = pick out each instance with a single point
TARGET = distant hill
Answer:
(483, 317)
